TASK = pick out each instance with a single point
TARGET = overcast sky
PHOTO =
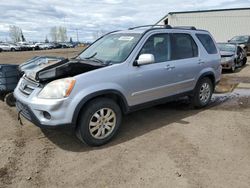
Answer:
(36, 17)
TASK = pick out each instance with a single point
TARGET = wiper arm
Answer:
(91, 56)
(97, 60)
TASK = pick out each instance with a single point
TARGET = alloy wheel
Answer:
(102, 123)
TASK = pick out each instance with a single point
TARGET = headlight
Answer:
(225, 59)
(57, 89)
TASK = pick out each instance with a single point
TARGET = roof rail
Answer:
(152, 26)
(185, 27)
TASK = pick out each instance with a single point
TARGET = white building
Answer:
(223, 24)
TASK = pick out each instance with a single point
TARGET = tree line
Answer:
(57, 34)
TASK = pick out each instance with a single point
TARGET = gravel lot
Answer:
(170, 145)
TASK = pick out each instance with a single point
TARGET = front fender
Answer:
(82, 97)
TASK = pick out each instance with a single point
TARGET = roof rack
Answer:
(185, 27)
(152, 26)
(164, 27)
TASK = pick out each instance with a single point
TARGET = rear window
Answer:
(207, 42)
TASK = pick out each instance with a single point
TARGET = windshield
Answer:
(112, 48)
(227, 47)
(239, 39)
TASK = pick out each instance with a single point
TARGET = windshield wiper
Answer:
(91, 56)
(97, 60)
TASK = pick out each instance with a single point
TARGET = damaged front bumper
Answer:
(227, 64)
(43, 112)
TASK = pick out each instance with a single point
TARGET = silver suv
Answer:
(121, 72)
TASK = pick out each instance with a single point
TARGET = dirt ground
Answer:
(170, 145)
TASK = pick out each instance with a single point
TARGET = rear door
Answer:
(185, 58)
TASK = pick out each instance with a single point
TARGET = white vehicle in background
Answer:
(34, 46)
(45, 46)
(24, 46)
(9, 47)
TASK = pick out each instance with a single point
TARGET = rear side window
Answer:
(183, 46)
(207, 42)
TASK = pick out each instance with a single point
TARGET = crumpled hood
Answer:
(44, 68)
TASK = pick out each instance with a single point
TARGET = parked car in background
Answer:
(232, 56)
(121, 72)
(24, 46)
(9, 47)
(56, 45)
(243, 40)
(67, 45)
(34, 46)
(46, 46)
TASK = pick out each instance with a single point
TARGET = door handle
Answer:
(201, 62)
(169, 67)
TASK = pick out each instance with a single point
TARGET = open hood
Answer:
(44, 68)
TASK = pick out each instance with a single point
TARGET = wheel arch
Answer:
(209, 75)
(112, 94)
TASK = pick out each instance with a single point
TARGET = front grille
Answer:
(23, 109)
(27, 86)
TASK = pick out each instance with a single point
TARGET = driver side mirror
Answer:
(145, 59)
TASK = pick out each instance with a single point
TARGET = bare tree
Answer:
(58, 34)
(53, 34)
(62, 34)
(15, 33)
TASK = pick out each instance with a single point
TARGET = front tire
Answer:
(203, 93)
(244, 61)
(99, 122)
(233, 68)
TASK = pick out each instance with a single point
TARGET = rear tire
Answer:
(99, 122)
(203, 93)
(10, 100)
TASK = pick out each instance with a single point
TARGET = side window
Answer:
(207, 42)
(183, 46)
(159, 46)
